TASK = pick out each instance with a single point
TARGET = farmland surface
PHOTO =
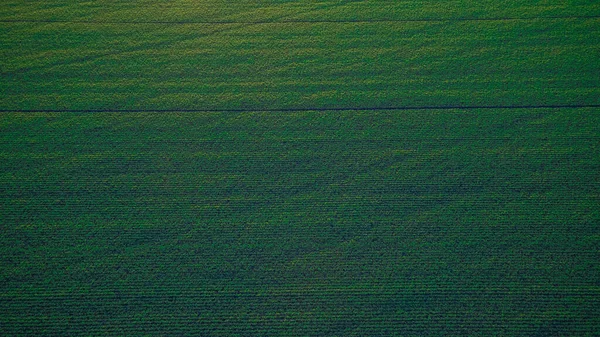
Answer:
(299, 168)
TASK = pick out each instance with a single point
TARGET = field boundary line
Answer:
(267, 22)
(401, 108)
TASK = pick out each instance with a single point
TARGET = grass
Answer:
(263, 177)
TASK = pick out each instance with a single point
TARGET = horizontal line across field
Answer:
(227, 22)
(443, 107)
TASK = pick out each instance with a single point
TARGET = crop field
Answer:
(299, 168)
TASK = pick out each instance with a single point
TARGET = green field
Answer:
(287, 168)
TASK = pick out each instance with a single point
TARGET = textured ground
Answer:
(331, 168)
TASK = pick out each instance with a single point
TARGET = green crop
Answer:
(284, 168)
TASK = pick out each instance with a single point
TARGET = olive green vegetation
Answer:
(276, 216)
(99, 62)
